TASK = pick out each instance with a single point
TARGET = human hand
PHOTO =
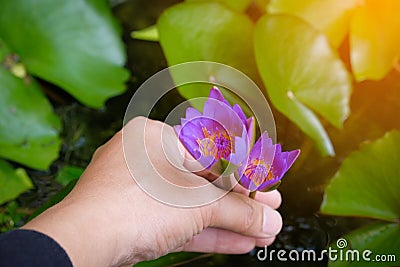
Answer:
(109, 220)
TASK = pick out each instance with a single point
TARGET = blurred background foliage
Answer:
(329, 69)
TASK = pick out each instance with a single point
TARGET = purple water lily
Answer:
(266, 165)
(215, 93)
(220, 133)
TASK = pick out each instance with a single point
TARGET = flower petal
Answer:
(291, 158)
(224, 115)
(251, 130)
(263, 149)
(279, 165)
(215, 93)
(192, 113)
(240, 113)
(241, 150)
(245, 181)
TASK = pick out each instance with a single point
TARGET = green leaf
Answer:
(239, 5)
(54, 199)
(375, 39)
(146, 34)
(12, 182)
(198, 31)
(380, 239)
(73, 44)
(28, 127)
(367, 182)
(301, 72)
(173, 259)
(331, 17)
(68, 173)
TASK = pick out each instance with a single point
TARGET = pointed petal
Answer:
(224, 115)
(268, 183)
(291, 158)
(206, 161)
(177, 129)
(240, 113)
(192, 130)
(192, 113)
(191, 145)
(251, 130)
(263, 149)
(215, 93)
(245, 181)
(270, 187)
(279, 166)
(240, 154)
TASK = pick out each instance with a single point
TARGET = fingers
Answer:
(213, 240)
(240, 214)
(272, 198)
(265, 242)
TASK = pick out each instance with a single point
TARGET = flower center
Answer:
(218, 144)
(258, 172)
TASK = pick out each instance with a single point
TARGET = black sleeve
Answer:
(30, 248)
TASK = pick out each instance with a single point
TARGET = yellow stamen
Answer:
(258, 171)
(218, 144)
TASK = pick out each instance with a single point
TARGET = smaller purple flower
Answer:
(219, 133)
(266, 165)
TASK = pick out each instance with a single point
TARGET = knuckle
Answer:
(250, 216)
(207, 215)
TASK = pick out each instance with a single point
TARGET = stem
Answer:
(253, 194)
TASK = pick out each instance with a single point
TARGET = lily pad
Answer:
(68, 173)
(239, 5)
(28, 126)
(375, 39)
(367, 182)
(302, 73)
(12, 182)
(381, 239)
(331, 17)
(73, 44)
(207, 31)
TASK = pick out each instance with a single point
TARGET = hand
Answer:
(108, 220)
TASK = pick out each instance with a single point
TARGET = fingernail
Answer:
(272, 222)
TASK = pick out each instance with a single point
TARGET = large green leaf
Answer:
(368, 181)
(28, 126)
(74, 44)
(382, 239)
(12, 182)
(239, 5)
(68, 173)
(301, 71)
(375, 39)
(196, 31)
(329, 16)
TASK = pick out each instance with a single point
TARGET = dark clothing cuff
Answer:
(31, 248)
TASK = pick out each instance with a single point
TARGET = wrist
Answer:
(76, 227)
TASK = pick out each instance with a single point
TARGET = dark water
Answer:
(85, 129)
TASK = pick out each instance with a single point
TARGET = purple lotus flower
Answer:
(266, 165)
(220, 133)
(249, 123)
